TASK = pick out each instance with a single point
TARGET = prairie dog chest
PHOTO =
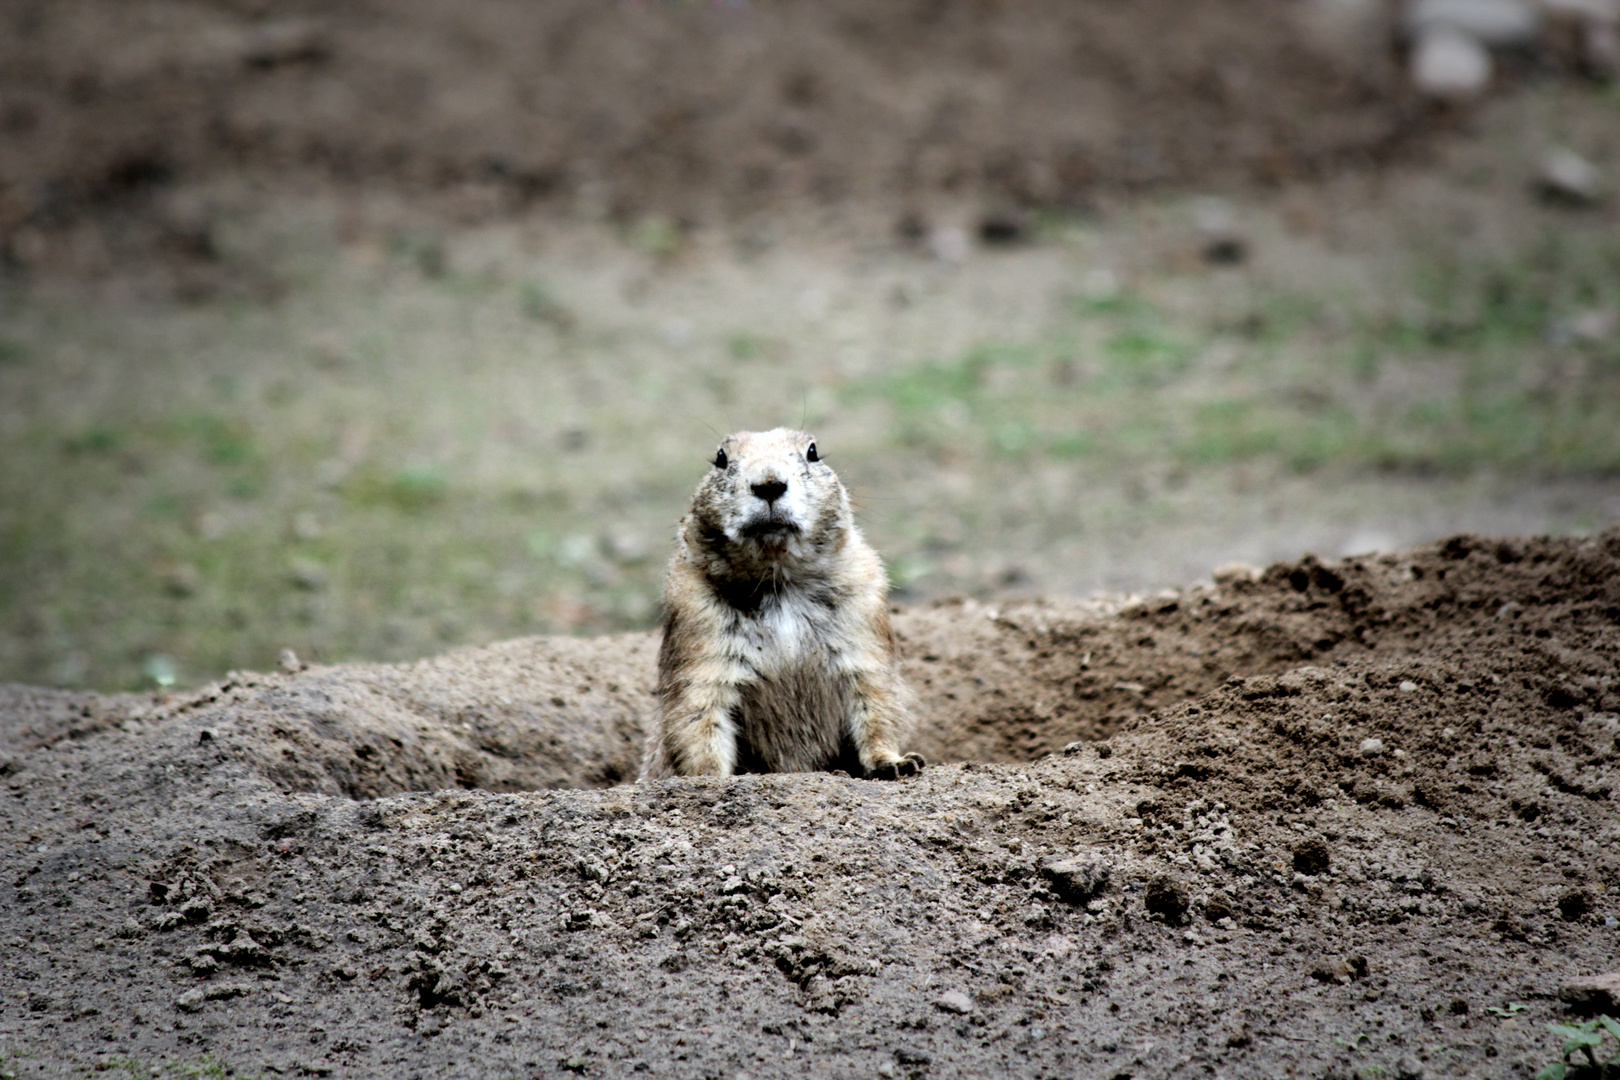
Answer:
(787, 633)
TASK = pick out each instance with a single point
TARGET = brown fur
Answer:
(777, 655)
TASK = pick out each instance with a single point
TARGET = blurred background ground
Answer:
(368, 330)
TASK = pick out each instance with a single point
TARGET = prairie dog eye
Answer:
(811, 455)
(720, 458)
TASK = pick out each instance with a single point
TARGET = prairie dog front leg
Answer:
(878, 718)
(699, 736)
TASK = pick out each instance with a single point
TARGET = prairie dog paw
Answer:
(910, 765)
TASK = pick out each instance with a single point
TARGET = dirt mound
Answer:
(161, 119)
(1324, 819)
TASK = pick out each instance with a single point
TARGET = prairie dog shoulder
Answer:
(777, 653)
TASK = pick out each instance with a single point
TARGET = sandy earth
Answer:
(1324, 820)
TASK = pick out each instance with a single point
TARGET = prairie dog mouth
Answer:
(769, 528)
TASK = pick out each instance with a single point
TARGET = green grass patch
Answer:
(489, 494)
(538, 303)
(1145, 358)
(1471, 376)
(98, 438)
(925, 388)
(1072, 444)
(410, 490)
(220, 441)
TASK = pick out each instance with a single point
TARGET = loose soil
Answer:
(1321, 820)
(116, 115)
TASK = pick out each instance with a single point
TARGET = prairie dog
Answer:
(777, 655)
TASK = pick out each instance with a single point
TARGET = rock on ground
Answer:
(1451, 64)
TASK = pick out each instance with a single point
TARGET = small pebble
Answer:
(1595, 325)
(1567, 177)
(1410, 1068)
(950, 244)
(1372, 747)
(1227, 573)
(954, 1001)
(1408, 686)
(1450, 65)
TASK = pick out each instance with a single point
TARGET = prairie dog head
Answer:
(768, 503)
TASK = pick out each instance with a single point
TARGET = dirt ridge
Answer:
(1320, 818)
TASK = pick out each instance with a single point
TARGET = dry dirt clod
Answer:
(1166, 899)
(193, 1000)
(1076, 880)
(1592, 993)
(1312, 857)
(1574, 904)
(1343, 970)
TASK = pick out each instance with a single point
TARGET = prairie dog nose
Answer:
(770, 490)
